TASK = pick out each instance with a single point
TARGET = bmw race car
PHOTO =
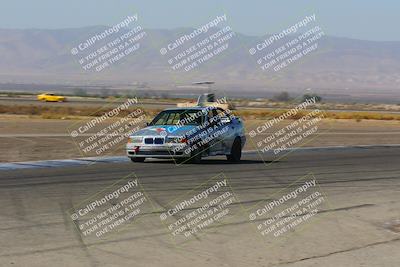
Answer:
(188, 134)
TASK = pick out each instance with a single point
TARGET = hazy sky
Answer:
(361, 19)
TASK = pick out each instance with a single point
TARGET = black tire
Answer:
(196, 157)
(138, 159)
(236, 151)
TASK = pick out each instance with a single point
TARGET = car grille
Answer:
(154, 140)
(158, 141)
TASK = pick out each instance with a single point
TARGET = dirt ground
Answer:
(24, 138)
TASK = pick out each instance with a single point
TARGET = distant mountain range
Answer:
(339, 64)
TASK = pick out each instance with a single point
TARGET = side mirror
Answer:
(225, 120)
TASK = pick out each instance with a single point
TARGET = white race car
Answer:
(188, 134)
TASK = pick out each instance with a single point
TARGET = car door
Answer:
(214, 131)
(228, 127)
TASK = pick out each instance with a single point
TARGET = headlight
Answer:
(135, 139)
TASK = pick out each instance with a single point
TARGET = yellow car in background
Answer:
(49, 97)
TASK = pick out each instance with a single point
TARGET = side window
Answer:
(224, 113)
(215, 116)
(210, 116)
(221, 113)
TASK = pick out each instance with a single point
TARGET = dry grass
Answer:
(345, 115)
(52, 112)
(66, 112)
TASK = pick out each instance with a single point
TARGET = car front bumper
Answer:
(156, 151)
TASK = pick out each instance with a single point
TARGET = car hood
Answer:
(164, 130)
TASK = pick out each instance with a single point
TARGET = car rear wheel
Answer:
(236, 151)
(138, 159)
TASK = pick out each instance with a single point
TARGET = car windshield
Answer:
(183, 117)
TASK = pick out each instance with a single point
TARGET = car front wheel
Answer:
(138, 159)
(196, 157)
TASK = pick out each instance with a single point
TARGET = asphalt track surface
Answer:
(359, 227)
